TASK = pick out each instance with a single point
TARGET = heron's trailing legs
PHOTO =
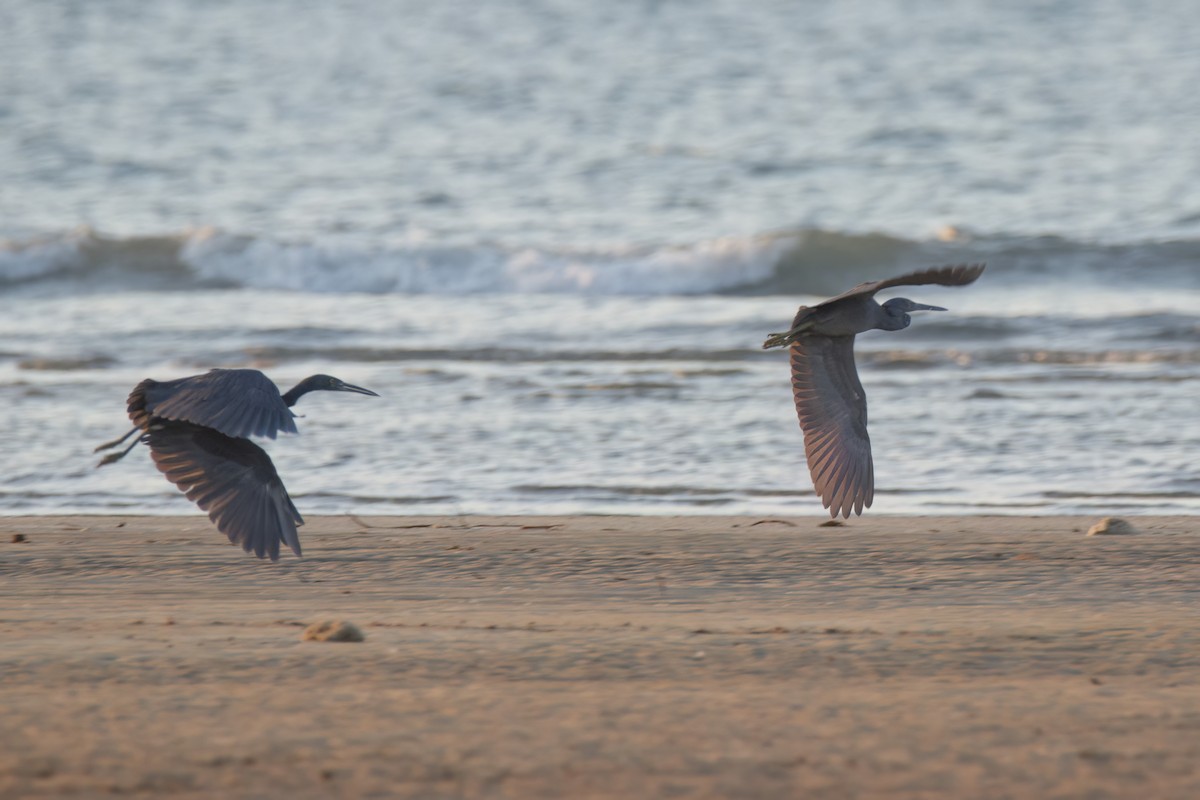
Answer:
(781, 339)
(778, 340)
(111, 457)
(116, 442)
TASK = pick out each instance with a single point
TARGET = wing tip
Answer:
(966, 273)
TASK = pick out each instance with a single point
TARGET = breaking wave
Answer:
(786, 262)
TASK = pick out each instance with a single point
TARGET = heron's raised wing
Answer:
(236, 402)
(952, 275)
(233, 480)
(832, 408)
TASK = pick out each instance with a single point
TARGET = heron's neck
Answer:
(296, 392)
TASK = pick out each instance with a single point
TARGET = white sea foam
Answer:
(798, 262)
(208, 257)
(710, 266)
(40, 258)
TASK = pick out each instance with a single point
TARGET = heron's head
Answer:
(896, 312)
(328, 383)
(321, 383)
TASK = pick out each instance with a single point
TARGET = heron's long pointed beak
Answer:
(350, 387)
(923, 307)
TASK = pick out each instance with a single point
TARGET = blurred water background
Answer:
(554, 234)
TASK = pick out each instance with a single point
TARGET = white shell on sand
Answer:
(331, 631)
(1111, 526)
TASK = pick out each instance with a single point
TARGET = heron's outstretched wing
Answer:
(233, 480)
(953, 275)
(236, 402)
(833, 415)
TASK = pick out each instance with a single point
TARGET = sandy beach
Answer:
(936, 657)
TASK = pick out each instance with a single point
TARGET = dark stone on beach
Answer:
(333, 631)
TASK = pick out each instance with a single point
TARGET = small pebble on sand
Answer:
(1111, 526)
(18, 538)
(333, 631)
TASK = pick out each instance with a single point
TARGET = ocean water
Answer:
(554, 234)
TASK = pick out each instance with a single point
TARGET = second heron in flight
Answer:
(197, 429)
(829, 397)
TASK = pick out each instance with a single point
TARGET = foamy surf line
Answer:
(806, 261)
(212, 259)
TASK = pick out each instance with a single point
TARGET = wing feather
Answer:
(234, 481)
(235, 402)
(950, 275)
(832, 408)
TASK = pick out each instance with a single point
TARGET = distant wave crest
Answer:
(806, 261)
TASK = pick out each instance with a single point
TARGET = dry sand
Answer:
(947, 657)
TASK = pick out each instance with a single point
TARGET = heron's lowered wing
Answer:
(236, 402)
(833, 415)
(234, 481)
(953, 275)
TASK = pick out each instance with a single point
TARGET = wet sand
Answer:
(693, 657)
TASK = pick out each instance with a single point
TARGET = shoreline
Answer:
(603, 656)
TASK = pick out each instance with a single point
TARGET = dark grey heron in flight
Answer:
(829, 397)
(197, 429)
